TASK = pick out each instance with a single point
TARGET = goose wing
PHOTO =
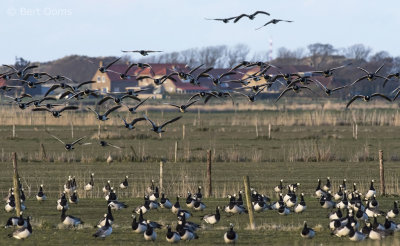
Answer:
(353, 99)
(112, 109)
(170, 121)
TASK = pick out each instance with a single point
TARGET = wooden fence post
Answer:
(269, 131)
(16, 185)
(13, 133)
(256, 128)
(209, 185)
(356, 132)
(43, 155)
(248, 201)
(382, 173)
(176, 151)
(161, 176)
(72, 130)
(183, 131)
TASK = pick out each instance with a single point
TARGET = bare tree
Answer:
(236, 54)
(358, 52)
(319, 53)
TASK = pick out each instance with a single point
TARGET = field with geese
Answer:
(284, 150)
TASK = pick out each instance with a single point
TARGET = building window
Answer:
(105, 89)
(116, 89)
(98, 78)
(103, 79)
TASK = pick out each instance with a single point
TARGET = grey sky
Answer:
(40, 30)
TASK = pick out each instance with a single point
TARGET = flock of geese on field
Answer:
(352, 214)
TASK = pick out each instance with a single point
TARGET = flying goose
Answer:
(20, 73)
(295, 88)
(103, 117)
(117, 99)
(69, 146)
(224, 20)
(105, 144)
(159, 128)
(132, 110)
(251, 17)
(369, 76)
(105, 68)
(19, 98)
(142, 52)
(182, 108)
(396, 75)
(273, 21)
(65, 86)
(158, 81)
(131, 125)
(329, 72)
(367, 98)
(230, 236)
(54, 112)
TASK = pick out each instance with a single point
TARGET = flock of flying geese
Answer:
(353, 208)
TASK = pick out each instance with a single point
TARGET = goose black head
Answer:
(103, 143)
(367, 98)
(56, 114)
(68, 147)
(370, 76)
(225, 20)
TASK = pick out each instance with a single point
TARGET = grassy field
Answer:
(305, 145)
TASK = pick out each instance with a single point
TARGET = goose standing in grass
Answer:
(283, 210)
(318, 191)
(154, 195)
(371, 192)
(301, 206)
(327, 186)
(124, 184)
(89, 186)
(23, 232)
(307, 232)
(189, 200)
(336, 215)
(339, 194)
(40, 195)
(164, 202)
(74, 198)
(143, 208)
(107, 216)
(138, 227)
(186, 233)
(230, 236)
(212, 219)
(343, 204)
(104, 117)
(326, 201)
(107, 187)
(150, 234)
(391, 225)
(342, 231)
(354, 235)
(279, 188)
(116, 205)
(111, 196)
(16, 221)
(62, 203)
(70, 220)
(198, 205)
(176, 207)
(104, 231)
(395, 211)
(172, 237)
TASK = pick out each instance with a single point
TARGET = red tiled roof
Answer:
(119, 68)
(2, 82)
(185, 86)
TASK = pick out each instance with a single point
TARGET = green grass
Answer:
(297, 152)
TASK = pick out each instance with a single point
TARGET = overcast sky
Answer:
(40, 30)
